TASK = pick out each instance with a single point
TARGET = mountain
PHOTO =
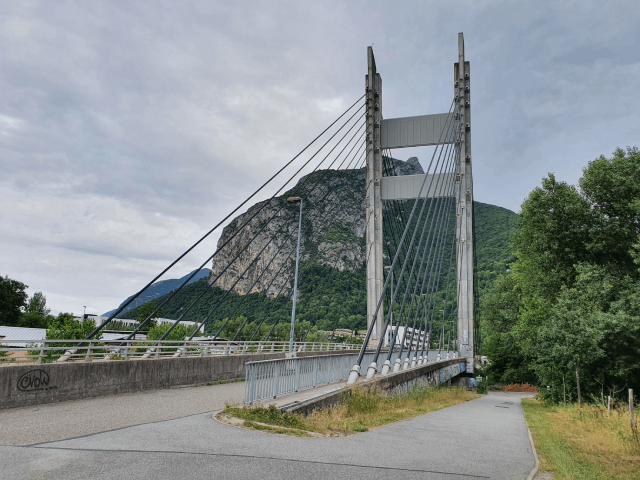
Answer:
(332, 280)
(159, 289)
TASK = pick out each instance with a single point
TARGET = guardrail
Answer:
(48, 351)
(270, 378)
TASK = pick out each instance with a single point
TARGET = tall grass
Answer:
(368, 408)
(587, 442)
(361, 409)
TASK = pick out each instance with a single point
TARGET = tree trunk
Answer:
(564, 391)
(578, 385)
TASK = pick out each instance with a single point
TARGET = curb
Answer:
(535, 455)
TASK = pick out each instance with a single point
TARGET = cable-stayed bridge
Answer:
(417, 248)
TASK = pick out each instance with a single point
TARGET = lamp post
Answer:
(295, 283)
(84, 312)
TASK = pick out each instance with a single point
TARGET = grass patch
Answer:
(221, 382)
(270, 415)
(576, 443)
(270, 429)
(361, 410)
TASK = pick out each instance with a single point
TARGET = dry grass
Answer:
(520, 387)
(576, 443)
(361, 410)
(366, 409)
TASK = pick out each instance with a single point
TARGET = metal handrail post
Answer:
(45, 345)
(246, 383)
(315, 372)
(87, 357)
(297, 384)
(276, 380)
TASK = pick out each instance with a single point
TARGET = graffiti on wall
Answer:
(35, 381)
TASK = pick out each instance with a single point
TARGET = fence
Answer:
(48, 351)
(270, 378)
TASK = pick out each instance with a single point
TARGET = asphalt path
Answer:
(484, 438)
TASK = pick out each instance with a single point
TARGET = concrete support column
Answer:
(464, 206)
(374, 197)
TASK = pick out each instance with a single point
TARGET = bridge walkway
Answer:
(171, 433)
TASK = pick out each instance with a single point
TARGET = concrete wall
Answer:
(33, 384)
(434, 373)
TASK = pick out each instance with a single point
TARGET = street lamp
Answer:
(295, 283)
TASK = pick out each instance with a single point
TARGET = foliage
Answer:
(118, 325)
(568, 308)
(147, 310)
(178, 333)
(38, 304)
(37, 314)
(65, 327)
(270, 415)
(13, 299)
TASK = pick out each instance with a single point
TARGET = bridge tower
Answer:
(417, 131)
(373, 195)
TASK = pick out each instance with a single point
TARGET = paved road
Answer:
(484, 438)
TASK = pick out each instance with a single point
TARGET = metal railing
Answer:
(270, 378)
(48, 351)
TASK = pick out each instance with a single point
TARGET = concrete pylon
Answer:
(464, 206)
(374, 197)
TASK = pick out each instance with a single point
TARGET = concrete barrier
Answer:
(33, 384)
(434, 373)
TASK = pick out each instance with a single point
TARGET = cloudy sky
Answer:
(128, 129)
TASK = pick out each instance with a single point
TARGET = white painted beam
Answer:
(418, 131)
(407, 187)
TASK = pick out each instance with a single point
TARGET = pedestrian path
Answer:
(484, 438)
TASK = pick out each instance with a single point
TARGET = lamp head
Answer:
(294, 200)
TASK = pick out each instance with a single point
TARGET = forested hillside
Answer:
(333, 298)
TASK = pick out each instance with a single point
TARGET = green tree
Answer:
(178, 333)
(13, 299)
(38, 304)
(147, 309)
(499, 315)
(65, 327)
(611, 186)
(37, 314)
(577, 283)
(570, 342)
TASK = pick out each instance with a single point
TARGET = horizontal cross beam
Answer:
(418, 131)
(407, 187)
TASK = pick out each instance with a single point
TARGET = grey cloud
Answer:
(129, 129)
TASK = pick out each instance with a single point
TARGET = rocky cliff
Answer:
(333, 232)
